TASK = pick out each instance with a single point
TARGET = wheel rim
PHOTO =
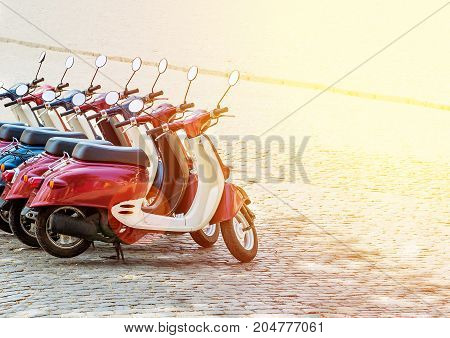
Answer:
(4, 214)
(246, 238)
(28, 226)
(64, 241)
(209, 230)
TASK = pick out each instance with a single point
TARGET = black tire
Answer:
(4, 218)
(4, 226)
(20, 227)
(239, 251)
(47, 240)
(206, 239)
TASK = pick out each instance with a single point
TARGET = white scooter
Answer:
(215, 201)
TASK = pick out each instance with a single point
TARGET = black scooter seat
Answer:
(101, 153)
(59, 145)
(40, 136)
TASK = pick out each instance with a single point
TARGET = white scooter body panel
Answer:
(209, 193)
(24, 115)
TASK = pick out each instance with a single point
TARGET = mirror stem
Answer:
(126, 86)
(62, 78)
(187, 91)
(218, 103)
(154, 84)
(39, 68)
(95, 74)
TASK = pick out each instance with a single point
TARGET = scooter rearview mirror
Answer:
(21, 90)
(41, 60)
(1, 84)
(162, 67)
(112, 98)
(42, 56)
(48, 95)
(136, 64)
(232, 80)
(78, 99)
(191, 75)
(69, 62)
(101, 61)
(136, 106)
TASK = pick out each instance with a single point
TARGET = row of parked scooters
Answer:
(79, 167)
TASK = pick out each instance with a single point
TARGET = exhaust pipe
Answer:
(72, 226)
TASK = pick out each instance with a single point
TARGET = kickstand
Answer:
(93, 245)
(119, 251)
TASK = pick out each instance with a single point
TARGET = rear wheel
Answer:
(207, 236)
(55, 244)
(240, 237)
(22, 227)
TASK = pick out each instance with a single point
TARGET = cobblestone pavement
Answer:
(357, 251)
(368, 236)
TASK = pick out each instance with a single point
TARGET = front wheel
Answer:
(240, 237)
(55, 244)
(207, 236)
(22, 227)
(4, 221)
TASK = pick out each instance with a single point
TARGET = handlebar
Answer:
(12, 103)
(185, 106)
(151, 96)
(37, 107)
(92, 89)
(94, 116)
(67, 112)
(35, 82)
(61, 86)
(129, 92)
(123, 123)
(218, 111)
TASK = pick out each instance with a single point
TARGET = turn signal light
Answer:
(2, 167)
(7, 175)
(55, 184)
(35, 182)
(25, 178)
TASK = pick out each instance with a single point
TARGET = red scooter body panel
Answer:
(37, 95)
(98, 185)
(22, 189)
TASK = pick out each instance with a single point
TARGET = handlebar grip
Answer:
(35, 82)
(185, 106)
(130, 92)
(68, 112)
(93, 89)
(12, 103)
(153, 95)
(121, 124)
(62, 86)
(154, 131)
(94, 116)
(220, 110)
(38, 107)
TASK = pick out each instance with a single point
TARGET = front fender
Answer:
(231, 202)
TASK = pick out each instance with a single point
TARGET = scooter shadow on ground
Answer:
(161, 253)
